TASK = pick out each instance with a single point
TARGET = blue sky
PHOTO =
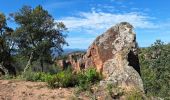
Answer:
(86, 19)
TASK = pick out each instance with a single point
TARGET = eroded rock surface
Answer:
(74, 60)
(114, 54)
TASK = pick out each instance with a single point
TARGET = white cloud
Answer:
(93, 21)
(97, 22)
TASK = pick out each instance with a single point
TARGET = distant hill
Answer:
(68, 50)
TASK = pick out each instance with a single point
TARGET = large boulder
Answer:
(114, 54)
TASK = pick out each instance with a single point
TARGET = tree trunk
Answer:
(42, 65)
(29, 63)
(4, 69)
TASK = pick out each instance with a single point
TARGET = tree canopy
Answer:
(6, 46)
(38, 35)
(155, 69)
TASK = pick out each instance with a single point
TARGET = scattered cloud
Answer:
(101, 17)
(93, 21)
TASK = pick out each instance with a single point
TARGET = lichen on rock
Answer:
(114, 54)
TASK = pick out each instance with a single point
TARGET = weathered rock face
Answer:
(114, 54)
(75, 60)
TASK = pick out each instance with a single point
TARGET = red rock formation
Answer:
(73, 60)
(114, 54)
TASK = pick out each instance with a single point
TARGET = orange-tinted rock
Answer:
(73, 60)
(114, 54)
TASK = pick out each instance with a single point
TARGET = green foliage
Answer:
(6, 46)
(92, 75)
(62, 79)
(155, 69)
(7, 77)
(36, 37)
(87, 78)
(28, 76)
(21, 61)
(52, 82)
(83, 80)
(36, 76)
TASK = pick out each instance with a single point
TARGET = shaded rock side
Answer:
(114, 54)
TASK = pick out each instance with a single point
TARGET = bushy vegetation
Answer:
(87, 78)
(83, 80)
(35, 76)
(66, 78)
(155, 69)
(62, 79)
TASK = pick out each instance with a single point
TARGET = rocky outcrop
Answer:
(114, 54)
(74, 60)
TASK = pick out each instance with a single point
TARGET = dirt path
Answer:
(21, 90)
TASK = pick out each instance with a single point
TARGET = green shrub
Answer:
(85, 79)
(65, 79)
(92, 75)
(62, 79)
(52, 82)
(29, 76)
(6, 77)
(44, 77)
(82, 82)
(36, 76)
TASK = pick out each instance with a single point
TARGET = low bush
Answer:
(82, 82)
(29, 76)
(6, 77)
(62, 79)
(92, 75)
(36, 76)
(85, 79)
